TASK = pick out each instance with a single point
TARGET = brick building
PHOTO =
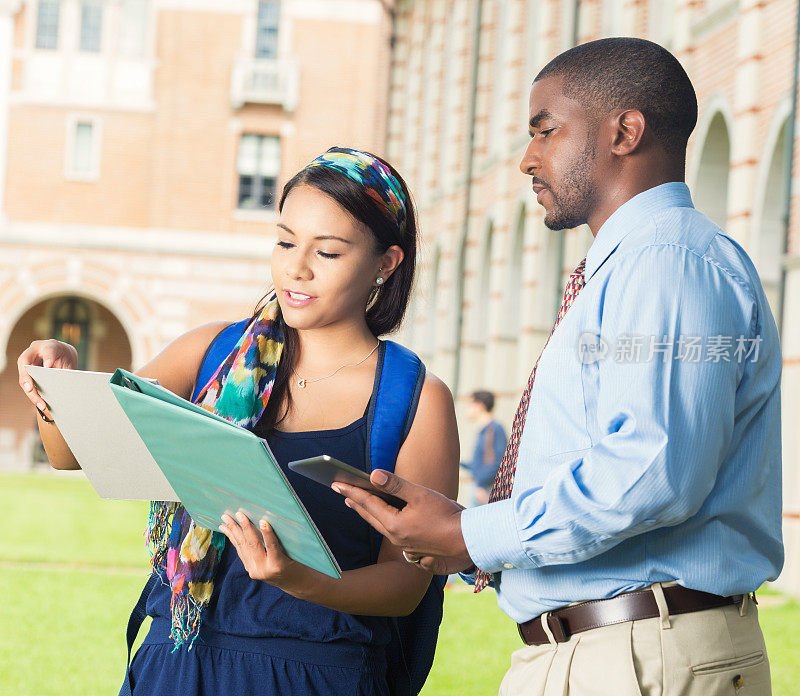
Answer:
(141, 144)
(141, 140)
(491, 273)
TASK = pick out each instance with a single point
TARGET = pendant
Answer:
(301, 383)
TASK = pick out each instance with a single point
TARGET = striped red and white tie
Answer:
(503, 482)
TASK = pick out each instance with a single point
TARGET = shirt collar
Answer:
(674, 194)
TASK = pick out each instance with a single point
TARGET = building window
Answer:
(259, 164)
(47, 24)
(133, 29)
(91, 25)
(71, 318)
(83, 149)
(267, 29)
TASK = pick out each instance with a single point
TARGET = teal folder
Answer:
(216, 467)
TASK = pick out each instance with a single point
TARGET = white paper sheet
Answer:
(106, 445)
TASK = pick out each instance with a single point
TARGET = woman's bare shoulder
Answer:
(176, 366)
(435, 394)
(430, 454)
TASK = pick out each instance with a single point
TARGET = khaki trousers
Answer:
(714, 652)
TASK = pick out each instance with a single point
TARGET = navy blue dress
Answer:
(257, 639)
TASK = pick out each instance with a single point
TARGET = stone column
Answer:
(746, 107)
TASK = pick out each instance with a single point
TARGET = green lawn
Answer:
(71, 567)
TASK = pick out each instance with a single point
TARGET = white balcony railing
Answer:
(264, 81)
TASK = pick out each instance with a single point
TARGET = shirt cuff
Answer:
(491, 536)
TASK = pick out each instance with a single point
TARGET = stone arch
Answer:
(711, 159)
(104, 343)
(14, 307)
(767, 236)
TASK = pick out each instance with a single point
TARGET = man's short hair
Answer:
(629, 73)
(484, 397)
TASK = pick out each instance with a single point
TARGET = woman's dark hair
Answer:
(387, 304)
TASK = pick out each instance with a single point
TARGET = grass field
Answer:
(71, 567)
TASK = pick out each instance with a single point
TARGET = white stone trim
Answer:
(248, 215)
(10, 7)
(219, 6)
(142, 240)
(134, 106)
(358, 11)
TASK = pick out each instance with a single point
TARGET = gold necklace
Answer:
(301, 382)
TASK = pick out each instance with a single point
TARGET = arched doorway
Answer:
(769, 242)
(711, 182)
(103, 346)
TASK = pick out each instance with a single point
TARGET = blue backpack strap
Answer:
(134, 624)
(389, 417)
(392, 411)
(220, 348)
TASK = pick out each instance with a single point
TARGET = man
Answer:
(646, 466)
(489, 445)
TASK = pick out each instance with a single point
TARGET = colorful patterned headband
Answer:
(381, 185)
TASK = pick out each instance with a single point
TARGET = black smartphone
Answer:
(327, 470)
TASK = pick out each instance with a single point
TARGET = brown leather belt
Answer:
(631, 606)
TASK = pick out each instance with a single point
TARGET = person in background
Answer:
(489, 446)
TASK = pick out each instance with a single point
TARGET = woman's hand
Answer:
(262, 553)
(49, 353)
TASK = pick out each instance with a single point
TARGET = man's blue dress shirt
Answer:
(652, 446)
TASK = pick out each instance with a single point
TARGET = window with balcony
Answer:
(47, 24)
(267, 29)
(258, 165)
(91, 25)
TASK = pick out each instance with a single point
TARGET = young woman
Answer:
(233, 614)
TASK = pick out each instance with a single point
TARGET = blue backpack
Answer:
(389, 417)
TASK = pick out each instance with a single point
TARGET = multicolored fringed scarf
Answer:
(186, 556)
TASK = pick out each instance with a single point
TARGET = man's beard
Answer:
(571, 206)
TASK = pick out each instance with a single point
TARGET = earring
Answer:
(379, 281)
